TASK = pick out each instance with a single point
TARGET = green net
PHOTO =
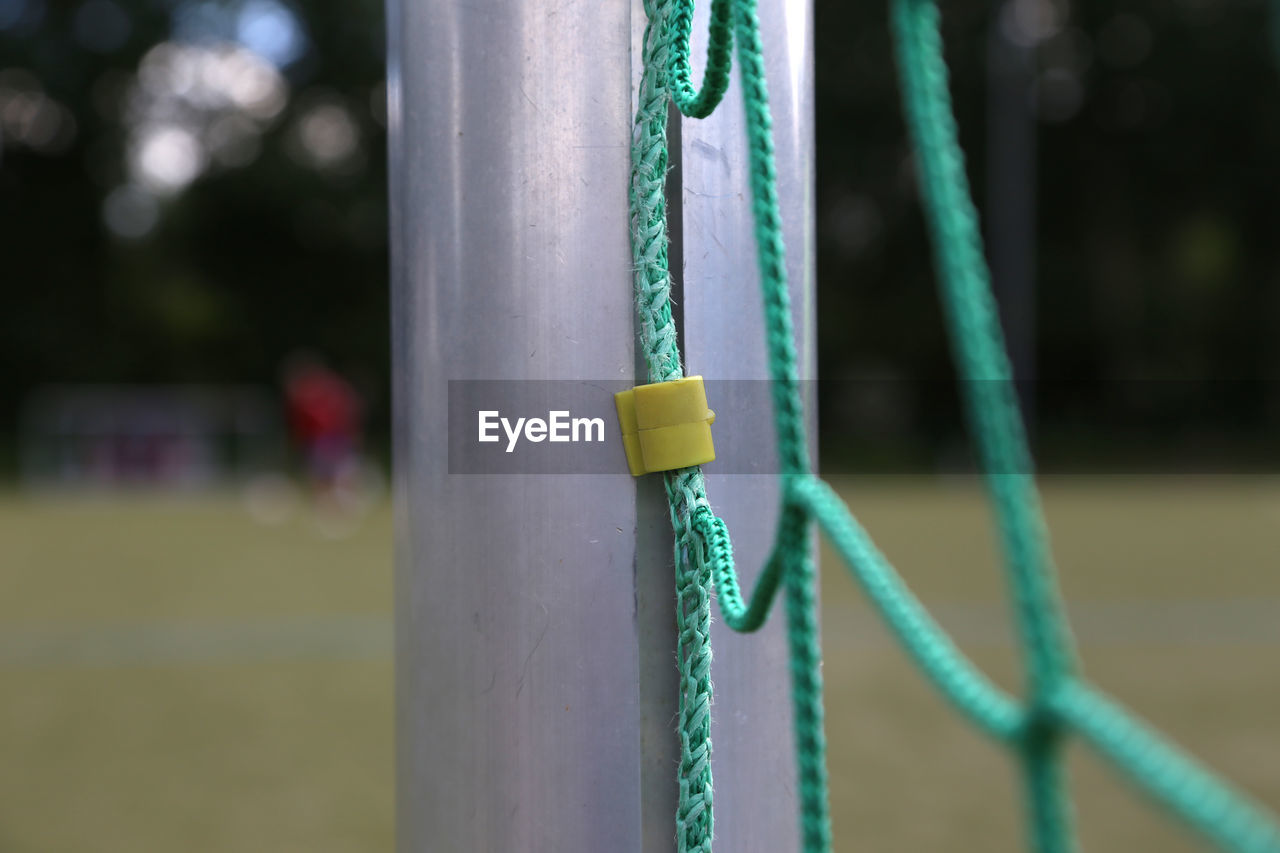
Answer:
(1058, 701)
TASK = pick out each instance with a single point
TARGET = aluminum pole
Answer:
(534, 613)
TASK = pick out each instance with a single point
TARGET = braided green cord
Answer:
(719, 58)
(978, 348)
(1058, 700)
(685, 488)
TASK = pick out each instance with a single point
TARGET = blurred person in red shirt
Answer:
(325, 420)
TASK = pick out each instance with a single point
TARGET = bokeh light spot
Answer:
(101, 26)
(11, 12)
(30, 118)
(271, 30)
(195, 106)
(130, 212)
(1029, 22)
(326, 136)
(167, 158)
(21, 17)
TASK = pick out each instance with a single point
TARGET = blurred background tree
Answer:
(1157, 290)
(190, 190)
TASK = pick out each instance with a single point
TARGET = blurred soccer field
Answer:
(178, 677)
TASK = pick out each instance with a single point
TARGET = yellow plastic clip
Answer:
(666, 425)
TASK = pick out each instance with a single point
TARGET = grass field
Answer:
(176, 676)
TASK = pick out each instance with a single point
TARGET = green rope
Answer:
(1058, 702)
(991, 405)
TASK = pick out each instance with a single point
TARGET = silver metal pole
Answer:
(534, 614)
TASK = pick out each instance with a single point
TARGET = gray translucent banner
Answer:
(876, 426)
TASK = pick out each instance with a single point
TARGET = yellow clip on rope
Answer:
(666, 425)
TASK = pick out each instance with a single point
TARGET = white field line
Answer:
(1157, 624)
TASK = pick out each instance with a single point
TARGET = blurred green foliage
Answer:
(1157, 286)
(243, 266)
(1156, 200)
